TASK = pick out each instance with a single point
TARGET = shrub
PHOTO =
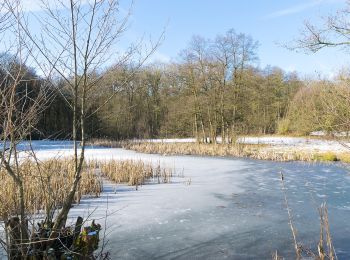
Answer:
(283, 126)
(326, 157)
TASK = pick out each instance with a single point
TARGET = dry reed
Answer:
(236, 150)
(104, 143)
(135, 173)
(47, 183)
(323, 252)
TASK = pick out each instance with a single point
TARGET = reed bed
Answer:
(104, 143)
(192, 148)
(255, 151)
(135, 173)
(46, 185)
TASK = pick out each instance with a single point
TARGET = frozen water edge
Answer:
(47, 149)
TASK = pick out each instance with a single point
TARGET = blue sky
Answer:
(271, 22)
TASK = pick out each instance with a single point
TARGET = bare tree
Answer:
(233, 54)
(333, 32)
(78, 38)
(20, 105)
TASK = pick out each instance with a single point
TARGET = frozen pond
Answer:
(222, 208)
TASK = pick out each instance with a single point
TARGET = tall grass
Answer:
(256, 151)
(192, 148)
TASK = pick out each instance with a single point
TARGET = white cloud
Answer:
(300, 8)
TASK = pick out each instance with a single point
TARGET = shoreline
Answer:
(253, 151)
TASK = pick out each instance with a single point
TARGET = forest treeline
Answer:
(215, 88)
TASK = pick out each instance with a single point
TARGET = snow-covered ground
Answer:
(280, 143)
(167, 140)
(223, 208)
(298, 143)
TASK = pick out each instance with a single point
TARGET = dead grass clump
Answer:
(134, 173)
(104, 143)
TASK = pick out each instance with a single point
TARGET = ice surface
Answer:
(232, 209)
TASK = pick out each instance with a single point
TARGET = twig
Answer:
(296, 246)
